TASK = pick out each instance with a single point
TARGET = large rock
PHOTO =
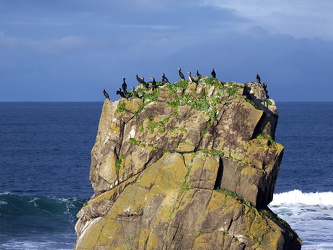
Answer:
(188, 166)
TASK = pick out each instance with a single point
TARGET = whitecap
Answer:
(322, 199)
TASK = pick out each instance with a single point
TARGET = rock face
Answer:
(187, 166)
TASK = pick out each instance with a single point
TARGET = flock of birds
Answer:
(125, 94)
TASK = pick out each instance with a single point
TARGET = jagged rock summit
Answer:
(187, 166)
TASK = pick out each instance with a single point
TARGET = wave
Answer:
(38, 213)
(12, 204)
(309, 214)
(321, 199)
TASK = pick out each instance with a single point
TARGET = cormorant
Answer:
(181, 74)
(198, 74)
(135, 94)
(146, 85)
(258, 78)
(190, 77)
(119, 92)
(106, 94)
(153, 84)
(138, 78)
(124, 85)
(164, 79)
(213, 73)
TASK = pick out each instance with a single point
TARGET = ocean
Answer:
(45, 159)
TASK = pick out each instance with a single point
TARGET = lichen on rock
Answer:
(187, 166)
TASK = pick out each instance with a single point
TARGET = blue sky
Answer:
(69, 50)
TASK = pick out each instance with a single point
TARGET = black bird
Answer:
(139, 79)
(124, 85)
(181, 74)
(153, 84)
(164, 79)
(146, 85)
(198, 74)
(106, 94)
(119, 92)
(258, 78)
(213, 73)
(135, 94)
(190, 77)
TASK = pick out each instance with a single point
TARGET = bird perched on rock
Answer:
(213, 73)
(181, 73)
(146, 85)
(164, 79)
(198, 74)
(191, 79)
(139, 79)
(258, 78)
(135, 94)
(124, 85)
(106, 94)
(119, 92)
(153, 84)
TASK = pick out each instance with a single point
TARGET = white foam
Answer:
(309, 214)
(322, 199)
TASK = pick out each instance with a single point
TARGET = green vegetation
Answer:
(212, 152)
(271, 142)
(142, 91)
(204, 102)
(252, 103)
(258, 240)
(121, 107)
(152, 96)
(186, 183)
(161, 130)
(134, 141)
(165, 120)
(195, 153)
(216, 152)
(177, 85)
(141, 127)
(147, 97)
(160, 124)
(211, 82)
(153, 147)
(119, 162)
(268, 102)
(203, 132)
(234, 195)
(243, 162)
(173, 104)
(152, 126)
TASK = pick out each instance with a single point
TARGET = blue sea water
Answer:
(45, 159)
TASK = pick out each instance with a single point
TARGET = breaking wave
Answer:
(321, 199)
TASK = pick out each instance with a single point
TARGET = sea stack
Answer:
(189, 166)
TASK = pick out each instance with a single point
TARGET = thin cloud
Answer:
(296, 18)
(61, 45)
(149, 26)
